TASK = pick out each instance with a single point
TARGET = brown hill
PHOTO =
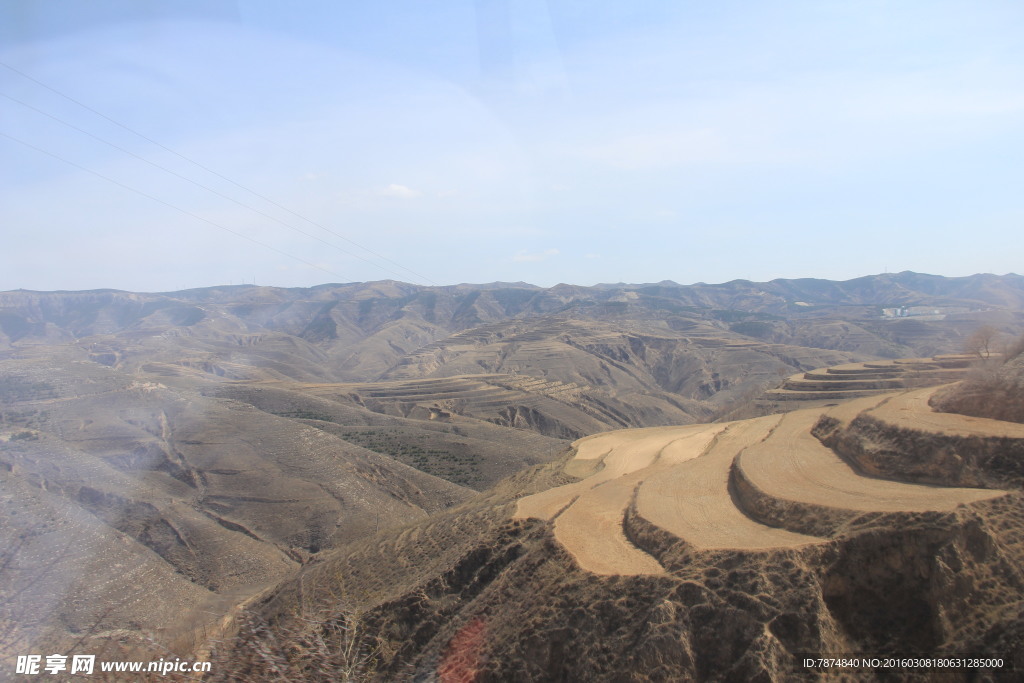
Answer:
(117, 487)
(200, 446)
(704, 552)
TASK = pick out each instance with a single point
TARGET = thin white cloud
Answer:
(522, 255)
(591, 255)
(400, 191)
(661, 150)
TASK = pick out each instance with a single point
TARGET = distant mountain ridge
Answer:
(904, 288)
(881, 289)
(890, 289)
(219, 439)
(886, 289)
(365, 331)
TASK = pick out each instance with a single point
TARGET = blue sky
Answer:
(558, 141)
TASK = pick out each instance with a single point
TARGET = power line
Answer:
(213, 172)
(168, 204)
(194, 182)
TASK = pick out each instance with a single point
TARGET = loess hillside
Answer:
(167, 458)
(704, 552)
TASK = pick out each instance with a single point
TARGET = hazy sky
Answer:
(560, 141)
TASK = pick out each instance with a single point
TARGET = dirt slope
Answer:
(680, 478)
(222, 440)
(144, 509)
(795, 466)
(693, 501)
(661, 561)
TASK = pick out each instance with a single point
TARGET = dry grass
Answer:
(994, 388)
(323, 638)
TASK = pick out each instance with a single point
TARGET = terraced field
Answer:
(750, 485)
(793, 465)
(911, 410)
(694, 502)
(550, 407)
(871, 378)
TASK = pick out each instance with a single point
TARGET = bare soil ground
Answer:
(652, 567)
(793, 465)
(680, 481)
(692, 501)
(588, 514)
(913, 410)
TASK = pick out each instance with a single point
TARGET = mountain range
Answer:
(167, 457)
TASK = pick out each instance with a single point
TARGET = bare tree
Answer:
(981, 343)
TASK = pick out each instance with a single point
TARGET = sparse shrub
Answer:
(982, 342)
(302, 414)
(994, 388)
(15, 389)
(1014, 349)
(730, 316)
(753, 328)
(322, 640)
